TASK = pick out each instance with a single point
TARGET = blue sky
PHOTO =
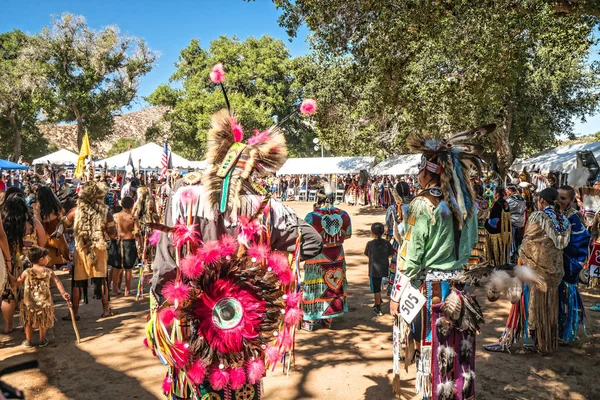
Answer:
(169, 25)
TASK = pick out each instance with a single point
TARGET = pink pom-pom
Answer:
(183, 234)
(196, 372)
(237, 378)
(229, 245)
(255, 370)
(286, 277)
(188, 196)
(237, 130)
(272, 354)
(154, 238)
(180, 353)
(166, 384)
(293, 316)
(210, 252)
(259, 137)
(167, 316)
(146, 342)
(308, 106)
(191, 266)
(176, 292)
(259, 251)
(293, 299)
(217, 74)
(219, 378)
(278, 262)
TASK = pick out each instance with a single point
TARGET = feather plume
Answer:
(272, 355)
(196, 372)
(210, 252)
(167, 316)
(217, 74)
(237, 378)
(514, 291)
(466, 351)
(176, 292)
(529, 276)
(278, 262)
(452, 306)
(219, 378)
(255, 370)
(308, 106)
(293, 299)
(468, 383)
(497, 284)
(192, 266)
(446, 390)
(293, 316)
(166, 384)
(184, 234)
(260, 252)
(181, 353)
(228, 245)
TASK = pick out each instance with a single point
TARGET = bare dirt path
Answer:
(350, 361)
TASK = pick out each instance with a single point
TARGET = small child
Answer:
(379, 252)
(37, 308)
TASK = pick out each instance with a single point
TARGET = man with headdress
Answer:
(325, 286)
(224, 300)
(440, 233)
(92, 222)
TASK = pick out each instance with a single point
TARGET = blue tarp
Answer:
(4, 164)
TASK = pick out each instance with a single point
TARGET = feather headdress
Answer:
(233, 161)
(453, 159)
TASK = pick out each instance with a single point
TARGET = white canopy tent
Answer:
(61, 157)
(559, 159)
(326, 165)
(403, 164)
(150, 156)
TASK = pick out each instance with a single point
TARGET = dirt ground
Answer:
(350, 361)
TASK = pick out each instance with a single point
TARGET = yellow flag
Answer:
(83, 153)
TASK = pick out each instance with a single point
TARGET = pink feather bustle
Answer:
(167, 316)
(237, 129)
(196, 372)
(166, 384)
(228, 245)
(237, 378)
(308, 106)
(192, 266)
(217, 74)
(259, 251)
(284, 340)
(154, 238)
(176, 291)
(219, 378)
(255, 370)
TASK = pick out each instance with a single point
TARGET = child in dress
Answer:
(37, 308)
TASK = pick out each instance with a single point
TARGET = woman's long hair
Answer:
(15, 216)
(48, 203)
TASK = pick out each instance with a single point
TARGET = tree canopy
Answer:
(383, 69)
(260, 85)
(22, 86)
(91, 74)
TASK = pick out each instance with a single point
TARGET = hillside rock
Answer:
(131, 125)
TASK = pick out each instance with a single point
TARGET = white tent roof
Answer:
(61, 157)
(325, 165)
(403, 164)
(150, 155)
(561, 159)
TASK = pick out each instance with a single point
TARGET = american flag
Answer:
(164, 161)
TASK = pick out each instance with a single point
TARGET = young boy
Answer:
(379, 252)
(128, 228)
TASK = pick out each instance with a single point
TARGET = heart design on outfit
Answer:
(334, 278)
(332, 223)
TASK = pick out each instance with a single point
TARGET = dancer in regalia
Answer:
(324, 289)
(440, 233)
(224, 299)
(534, 289)
(571, 312)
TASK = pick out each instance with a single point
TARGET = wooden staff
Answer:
(73, 321)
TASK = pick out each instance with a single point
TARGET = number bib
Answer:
(594, 271)
(410, 300)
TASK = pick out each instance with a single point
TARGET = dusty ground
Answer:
(351, 361)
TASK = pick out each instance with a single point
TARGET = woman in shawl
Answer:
(49, 211)
(547, 233)
(499, 228)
